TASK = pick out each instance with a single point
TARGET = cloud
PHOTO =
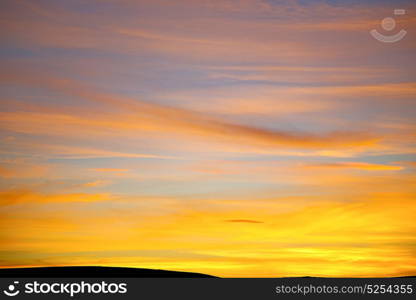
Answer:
(110, 170)
(244, 221)
(355, 165)
(27, 196)
(214, 132)
(139, 116)
(5, 172)
(257, 105)
(96, 183)
(326, 232)
(360, 237)
(412, 164)
(24, 170)
(69, 151)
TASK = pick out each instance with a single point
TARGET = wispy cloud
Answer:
(244, 221)
(231, 137)
(145, 116)
(16, 196)
(356, 165)
(110, 170)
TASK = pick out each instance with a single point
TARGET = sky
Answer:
(237, 138)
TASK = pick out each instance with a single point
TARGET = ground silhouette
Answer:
(94, 271)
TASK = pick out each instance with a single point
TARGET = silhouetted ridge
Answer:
(103, 272)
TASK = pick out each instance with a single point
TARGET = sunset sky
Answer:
(237, 138)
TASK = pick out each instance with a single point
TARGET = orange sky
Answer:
(238, 138)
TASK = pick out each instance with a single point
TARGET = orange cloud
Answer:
(24, 170)
(96, 183)
(143, 116)
(244, 221)
(110, 170)
(357, 165)
(71, 151)
(16, 196)
(354, 239)
(252, 191)
(411, 163)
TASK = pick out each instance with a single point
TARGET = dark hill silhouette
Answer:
(89, 272)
